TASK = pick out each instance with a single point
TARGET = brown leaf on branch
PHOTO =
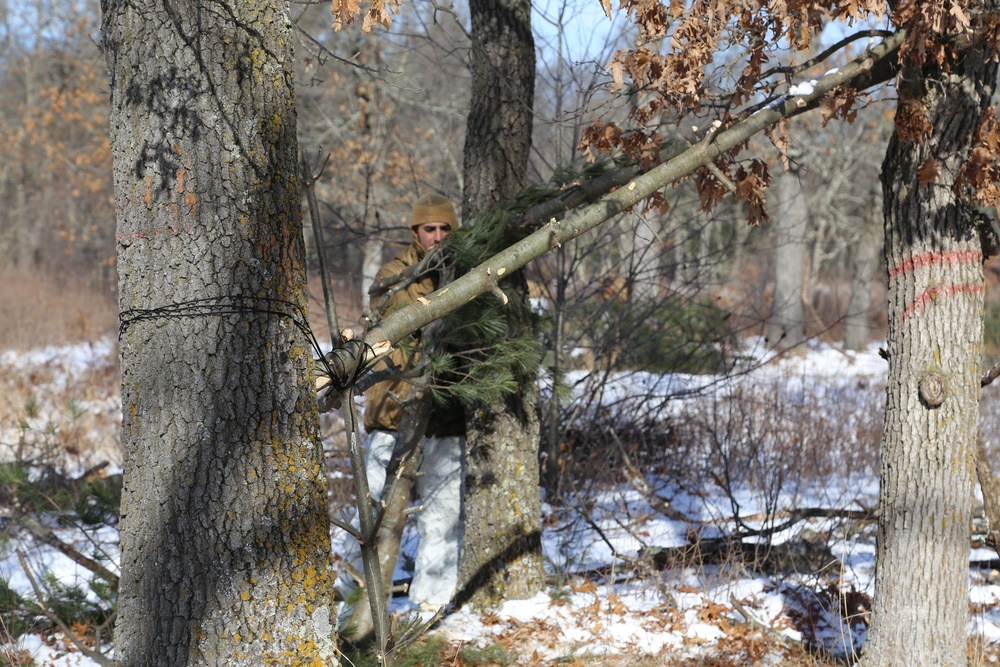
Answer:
(750, 74)
(380, 14)
(981, 175)
(751, 186)
(981, 172)
(839, 104)
(343, 12)
(911, 121)
(960, 18)
(989, 133)
(779, 137)
(651, 17)
(657, 202)
(617, 70)
(711, 190)
(600, 137)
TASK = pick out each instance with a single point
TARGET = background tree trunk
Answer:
(501, 556)
(786, 326)
(863, 263)
(498, 130)
(935, 343)
(224, 530)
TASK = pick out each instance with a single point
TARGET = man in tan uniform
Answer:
(439, 524)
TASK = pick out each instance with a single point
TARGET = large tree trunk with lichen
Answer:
(936, 289)
(501, 557)
(224, 531)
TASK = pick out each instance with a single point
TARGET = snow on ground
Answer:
(54, 394)
(601, 602)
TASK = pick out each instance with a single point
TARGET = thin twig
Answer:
(309, 183)
(368, 523)
(375, 73)
(368, 532)
(639, 483)
(48, 537)
(990, 375)
(96, 656)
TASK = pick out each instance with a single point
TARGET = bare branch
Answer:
(48, 537)
(375, 73)
(96, 656)
(822, 57)
(990, 375)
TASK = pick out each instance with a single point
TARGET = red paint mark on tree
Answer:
(939, 291)
(932, 258)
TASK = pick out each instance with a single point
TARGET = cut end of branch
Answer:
(378, 349)
(498, 293)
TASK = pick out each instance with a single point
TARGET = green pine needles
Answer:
(490, 351)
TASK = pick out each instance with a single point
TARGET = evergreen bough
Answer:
(491, 350)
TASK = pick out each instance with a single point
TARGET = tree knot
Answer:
(932, 389)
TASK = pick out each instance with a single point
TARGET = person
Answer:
(439, 486)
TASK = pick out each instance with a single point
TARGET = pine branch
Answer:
(553, 234)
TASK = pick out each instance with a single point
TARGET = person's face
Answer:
(432, 233)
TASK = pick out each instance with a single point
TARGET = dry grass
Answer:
(54, 408)
(38, 309)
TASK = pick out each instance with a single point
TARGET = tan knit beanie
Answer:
(433, 208)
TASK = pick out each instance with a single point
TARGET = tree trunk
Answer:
(224, 528)
(935, 342)
(498, 131)
(786, 326)
(863, 263)
(502, 556)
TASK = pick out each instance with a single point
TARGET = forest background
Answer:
(404, 95)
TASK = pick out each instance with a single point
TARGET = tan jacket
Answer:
(382, 410)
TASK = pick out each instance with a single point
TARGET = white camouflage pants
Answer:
(439, 523)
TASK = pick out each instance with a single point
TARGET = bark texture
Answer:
(936, 290)
(501, 557)
(224, 531)
(498, 131)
